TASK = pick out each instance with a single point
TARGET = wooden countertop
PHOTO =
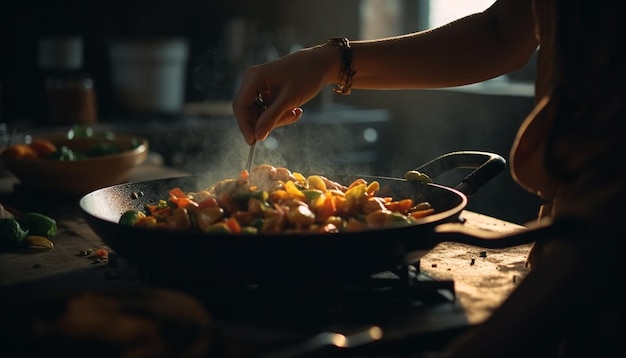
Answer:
(483, 278)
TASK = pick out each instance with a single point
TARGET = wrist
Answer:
(326, 58)
(344, 68)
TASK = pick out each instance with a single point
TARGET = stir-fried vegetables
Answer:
(273, 200)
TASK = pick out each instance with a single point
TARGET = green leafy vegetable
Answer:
(39, 224)
(11, 233)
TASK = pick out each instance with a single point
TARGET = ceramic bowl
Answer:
(80, 176)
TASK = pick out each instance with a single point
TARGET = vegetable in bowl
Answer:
(78, 143)
(74, 162)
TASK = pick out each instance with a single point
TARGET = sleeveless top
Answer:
(527, 153)
(597, 193)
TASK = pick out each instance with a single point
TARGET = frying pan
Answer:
(192, 258)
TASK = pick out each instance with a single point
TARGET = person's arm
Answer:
(471, 49)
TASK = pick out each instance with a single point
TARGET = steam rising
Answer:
(304, 147)
(318, 144)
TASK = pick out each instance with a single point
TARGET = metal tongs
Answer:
(250, 157)
(260, 103)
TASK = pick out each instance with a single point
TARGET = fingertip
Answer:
(261, 135)
(250, 139)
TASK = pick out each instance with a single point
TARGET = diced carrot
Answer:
(185, 202)
(422, 213)
(327, 209)
(148, 221)
(20, 151)
(209, 202)
(43, 148)
(401, 206)
(162, 212)
(177, 193)
(233, 225)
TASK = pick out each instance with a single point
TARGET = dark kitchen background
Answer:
(368, 132)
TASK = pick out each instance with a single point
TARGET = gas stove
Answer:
(413, 312)
(415, 309)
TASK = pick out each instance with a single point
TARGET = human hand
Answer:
(283, 85)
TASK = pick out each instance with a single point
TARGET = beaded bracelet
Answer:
(346, 72)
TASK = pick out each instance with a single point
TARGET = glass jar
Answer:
(71, 98)
(70, 91)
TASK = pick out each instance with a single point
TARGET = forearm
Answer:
(472, 49)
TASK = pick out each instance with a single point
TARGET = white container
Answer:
(149, 75)
(60, 53)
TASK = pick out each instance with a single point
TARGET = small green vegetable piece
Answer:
(79, 131)
(11, 233)
(244, 197)
(39, 224)
(64, 153)
(312, 194)
(219, 228)
(414, 175)
(130, 217)
(103, 149)
(397, 218)
(249, 230)
(135, 143)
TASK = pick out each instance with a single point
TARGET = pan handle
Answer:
(534, 231)
(487, 166)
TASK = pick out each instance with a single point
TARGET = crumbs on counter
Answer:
(102, 253)
(85, 252)
(98, 256)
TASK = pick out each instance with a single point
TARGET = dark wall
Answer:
(99, 22)
(425, 123)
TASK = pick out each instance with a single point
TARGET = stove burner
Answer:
(375, 298)
(409, 306)
(415, 312)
